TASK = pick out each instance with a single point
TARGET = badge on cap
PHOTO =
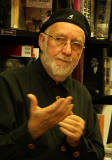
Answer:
(70, 16)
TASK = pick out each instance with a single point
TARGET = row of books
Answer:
(105, 123)
(24, 14)
(19, 51)
(98, 71)
(16, 56)
(98, 14)
(108, 75)
(31, 14)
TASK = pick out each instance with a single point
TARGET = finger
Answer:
(58, 97)
(76, 118)
(67, 126)
(64, 106)
(67, 121)
(51, 108)
(71, 135)
(66, 132)
(71, 125)
(59, 105)
(33, 102)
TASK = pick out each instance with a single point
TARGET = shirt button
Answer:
(31, 146)
(76, 154)
(63, 148)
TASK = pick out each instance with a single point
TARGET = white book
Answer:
(107, 111)
(102, 18)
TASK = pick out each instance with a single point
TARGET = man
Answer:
(44, 113)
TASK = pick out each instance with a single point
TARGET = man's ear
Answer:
(41, 41)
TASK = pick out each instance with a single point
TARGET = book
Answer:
(17, 50)
(109, 138)
(107, 111)
(101, 124)
(85, 9)
(11, 14)
(17, 15)
(110, 24)
(5, 14)
(56, 5)
(39, 3)
(108, 75)
(104, 113)
(102, 18)
(93, 71)
(92, 6)
(78, 71)
(77, 5)
(36, 13)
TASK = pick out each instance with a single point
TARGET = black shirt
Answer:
(16, 142)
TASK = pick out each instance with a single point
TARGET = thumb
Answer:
(33, 102)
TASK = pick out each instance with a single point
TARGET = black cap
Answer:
(68, 15)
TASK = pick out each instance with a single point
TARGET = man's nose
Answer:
(67, 48)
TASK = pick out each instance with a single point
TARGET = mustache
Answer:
(67, 59)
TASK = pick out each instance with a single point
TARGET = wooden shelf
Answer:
(107, 100)
(13, 36)
(22, 37)
(100, 42)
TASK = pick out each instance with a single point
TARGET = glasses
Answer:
(62, 41)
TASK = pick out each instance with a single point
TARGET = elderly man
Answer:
(44, 113)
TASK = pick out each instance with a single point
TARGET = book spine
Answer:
(81, 6)
(39, 4)
(78, 71)
(101, 124)
(85, 9)
(17, 50)
(107, 112)
(92, 17)
(5, 14)
(77, 5)
(14, 13)
(110, 78)
(35, 16)
(102, 18)
(108, 75)
(110, 25)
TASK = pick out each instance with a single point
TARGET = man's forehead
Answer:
(63, 26)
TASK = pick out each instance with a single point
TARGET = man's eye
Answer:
(59, 38)
(76, 44)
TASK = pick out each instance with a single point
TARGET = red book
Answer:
(101, 124)
(77, 5)
(78, 71)
(17, 50)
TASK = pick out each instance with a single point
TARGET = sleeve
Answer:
(14, 135)
(91, 144)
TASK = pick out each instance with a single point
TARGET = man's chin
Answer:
(61, 74)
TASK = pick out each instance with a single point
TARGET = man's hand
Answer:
(72, 127)
(41, 119)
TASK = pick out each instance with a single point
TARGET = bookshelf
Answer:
(22, 37)
(94, 47)
(95, 81)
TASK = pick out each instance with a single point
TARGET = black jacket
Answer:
(16, 142)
